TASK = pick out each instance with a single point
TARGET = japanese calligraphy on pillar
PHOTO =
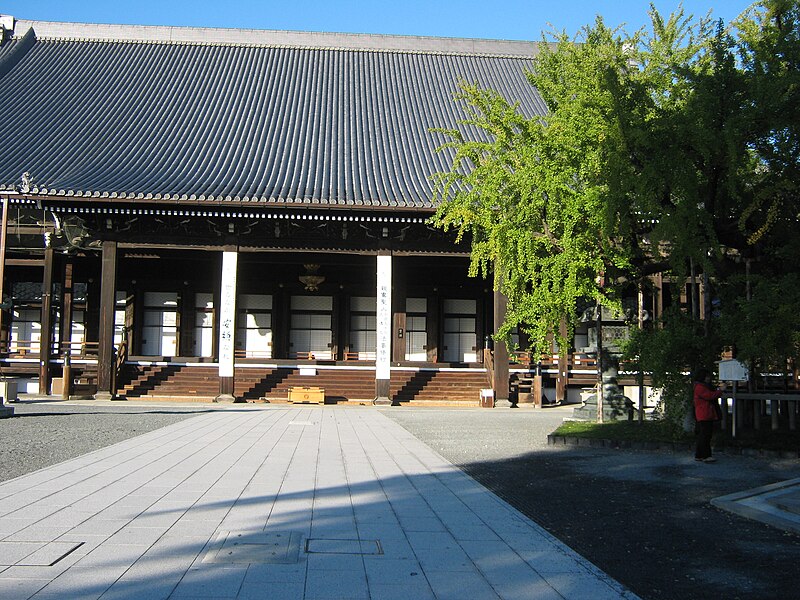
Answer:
(227, 314)
(384, 318)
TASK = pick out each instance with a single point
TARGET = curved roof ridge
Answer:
(52, 30)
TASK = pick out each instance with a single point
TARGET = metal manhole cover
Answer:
(254, 547)
(345, 546)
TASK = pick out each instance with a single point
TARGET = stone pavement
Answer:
(777, 504)
(277, 502)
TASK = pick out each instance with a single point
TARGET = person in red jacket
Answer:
(706, 411)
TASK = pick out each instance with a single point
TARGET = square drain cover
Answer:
(326, 546)
(254, 547)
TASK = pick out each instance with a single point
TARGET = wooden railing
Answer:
(748, 410)
(82, 349)
(242, 353)
(23, 348)
(20, 348)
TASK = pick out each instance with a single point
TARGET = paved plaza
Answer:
(276, 502)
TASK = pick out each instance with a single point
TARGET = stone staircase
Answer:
(168, 381)
(341, 385)
(438, 386)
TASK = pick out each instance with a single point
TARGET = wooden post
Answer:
(641, 372)
(338, 318)
(723, 402)
(3, 270)
(106, 358)
(562, 379)
(46, 338)
(399, 315)
(756, 404)
(187, 311)
(599, 361)
(66, 306)
(433, 323)
(537, 389)
(695, 292)
(66, 327)
(501, 391)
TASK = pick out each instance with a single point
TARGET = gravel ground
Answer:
(644, 518)
(42, 434)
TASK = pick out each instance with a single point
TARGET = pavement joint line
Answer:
(316, 480)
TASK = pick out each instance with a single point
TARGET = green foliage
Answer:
(659, 431)
(673, 148)
(769, 51)
(536, 198)
(771, 310)
(671, 351)
(649, 431)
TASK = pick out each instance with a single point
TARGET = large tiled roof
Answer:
(209, 115)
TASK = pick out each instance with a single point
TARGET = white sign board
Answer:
(732, 370)
(227, 314)
(383, 356)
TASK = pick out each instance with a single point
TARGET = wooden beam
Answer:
(24, 262)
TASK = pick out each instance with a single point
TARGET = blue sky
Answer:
(496, 19)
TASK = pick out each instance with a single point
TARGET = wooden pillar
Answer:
(500, 353)
(67, 292)
(562, 379)
(432, 320)
(399, 295)
(46, 337)
(281, 323)
(383, 313)
(481, 311)
(227, 325)
(187, 312)
(135, 320)
(3, 324)
(5, 411)
(91, 316)
(600, 364)
(658, 300)
(66, 326)
(106, 357)
(337, 321)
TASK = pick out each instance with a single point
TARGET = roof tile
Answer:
(270, 124)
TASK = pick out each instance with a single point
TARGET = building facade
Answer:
(200, 212)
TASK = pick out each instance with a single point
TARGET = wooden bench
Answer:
(306, 395)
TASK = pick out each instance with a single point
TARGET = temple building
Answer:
(216, 213)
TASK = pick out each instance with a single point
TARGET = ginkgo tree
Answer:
(669, 149)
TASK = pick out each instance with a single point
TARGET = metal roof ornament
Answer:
(311, 280)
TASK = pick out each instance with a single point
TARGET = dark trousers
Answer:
(703, 431)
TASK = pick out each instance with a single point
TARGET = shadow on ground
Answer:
(644, 518)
